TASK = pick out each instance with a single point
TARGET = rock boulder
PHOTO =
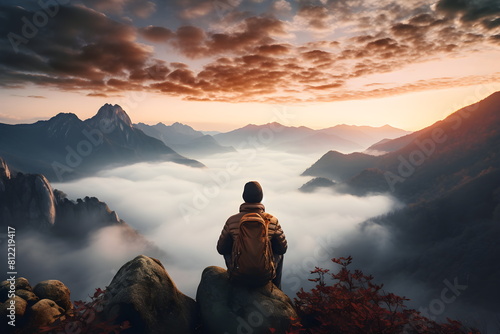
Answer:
(20, 283)
(143, 293)
(28, 296)
(18, 306)
(228, 308)
(43, 313)
(54, 290)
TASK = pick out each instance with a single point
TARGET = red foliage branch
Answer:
(84, 318)
(354, 304)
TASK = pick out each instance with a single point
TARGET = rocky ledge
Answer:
(143, 296)
(227, 308)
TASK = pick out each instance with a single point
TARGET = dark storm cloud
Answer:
(77, 48)
(470, 10)
(491, 24)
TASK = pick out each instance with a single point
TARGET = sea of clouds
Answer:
(182, 211)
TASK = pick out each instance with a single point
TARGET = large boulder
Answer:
(143, 293)
(12, 314)
(229, 308)
(15, 306)
(43, 313)
(54, 290)
(28, 296)
(20, 283)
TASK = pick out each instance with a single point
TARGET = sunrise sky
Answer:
(221, 64)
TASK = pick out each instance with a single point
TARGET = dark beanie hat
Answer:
(252, 192)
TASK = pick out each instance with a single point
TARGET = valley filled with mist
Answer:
(182, 210)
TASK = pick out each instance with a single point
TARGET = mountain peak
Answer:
(388, 127)
(178, 125)
(259, 126)
(115, 113)
(184, 129)
(62, 124)
(64, 117)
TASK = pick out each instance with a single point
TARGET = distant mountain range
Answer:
(434, 160)
(184, 139)
(65, 147)
(345, 138)
(448, 174)
(340, 167)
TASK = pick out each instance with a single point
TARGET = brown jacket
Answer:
(231, 230)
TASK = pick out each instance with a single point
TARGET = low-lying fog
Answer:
(183, 209)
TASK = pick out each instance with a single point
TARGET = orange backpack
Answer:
(252, 255)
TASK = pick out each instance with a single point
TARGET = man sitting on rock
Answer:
(253, 195)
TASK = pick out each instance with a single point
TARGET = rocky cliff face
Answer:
(26, 198)
(28, 202)
(83, 216)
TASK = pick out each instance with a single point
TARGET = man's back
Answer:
(253, 195)
(231, 230)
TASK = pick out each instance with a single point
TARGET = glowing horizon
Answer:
(431, 107)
